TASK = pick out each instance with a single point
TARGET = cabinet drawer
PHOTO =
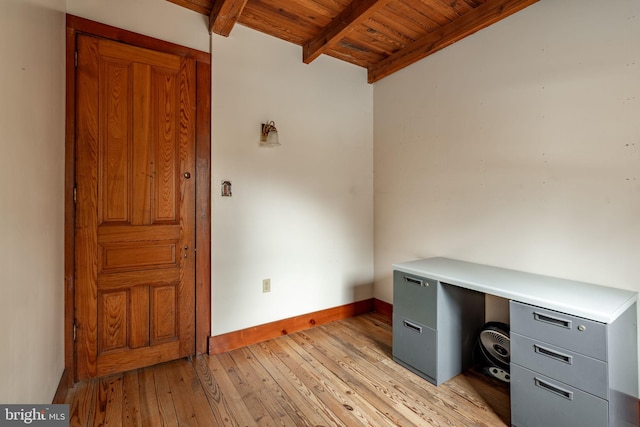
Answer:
(570, 332)
(415, 298)
(414, 346)
(583, 372)
(537, 400)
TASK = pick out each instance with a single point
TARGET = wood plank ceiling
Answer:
(382, 36)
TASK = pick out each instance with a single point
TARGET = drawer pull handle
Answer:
(553, 354)
(411, 326)
(552, 320)
(553, 389)
(414, 281)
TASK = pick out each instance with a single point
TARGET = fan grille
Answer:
(497, 344)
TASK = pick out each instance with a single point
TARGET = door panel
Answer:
(112, 316)
(165, 319)
(135, 207)
(138, 255)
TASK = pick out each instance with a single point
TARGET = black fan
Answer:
(495, 350)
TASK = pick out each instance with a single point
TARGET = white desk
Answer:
(587, 372)
(599, 303)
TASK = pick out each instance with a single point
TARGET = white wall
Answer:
(517, 147)
(154, 18)
(31, 199)
(301, 214)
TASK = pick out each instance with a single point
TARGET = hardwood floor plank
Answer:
(108, 409)
(374, 329)
(380, 386)
(81, 398)
(312, 411)
(264, 388)
(166, 408)
(276, 391)
(473, 390)
(250, 395)
(222, 394)
(407, 401)
(337, 374)
(494, 392)
(322, 391)
(131, 400)
(346, 388)
(190, 402)
(220, 408)
(378, 390)
(149, 407)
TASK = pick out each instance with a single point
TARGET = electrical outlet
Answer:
(266, 285)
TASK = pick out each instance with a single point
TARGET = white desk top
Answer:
(595, 302)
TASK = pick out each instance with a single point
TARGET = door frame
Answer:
(76, 25)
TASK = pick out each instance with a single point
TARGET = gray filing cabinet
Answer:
(435, 326)
(572, 372)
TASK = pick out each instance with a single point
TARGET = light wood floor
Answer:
(339, 374)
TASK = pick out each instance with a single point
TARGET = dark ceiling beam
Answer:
(484, 15)
(224, 15)
(189, 5)
(357, 12)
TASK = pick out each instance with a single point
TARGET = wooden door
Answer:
(135, 149)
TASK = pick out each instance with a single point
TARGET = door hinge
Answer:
(75, 195)
(75, 331)
(75, 58)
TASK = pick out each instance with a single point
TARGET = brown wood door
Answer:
(135, 130)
